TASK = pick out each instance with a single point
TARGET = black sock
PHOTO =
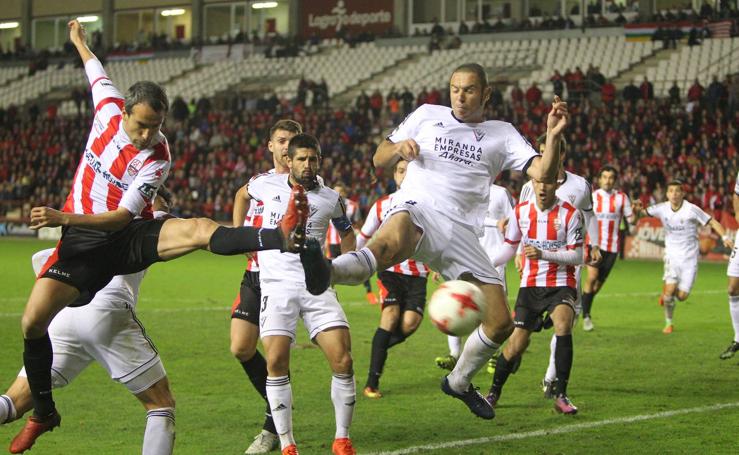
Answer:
(503, 369)
(368, 286)
(37, 358)
(587, 303)
(563, 354)
(397, 336)
(256, 369)
(244, 239)
(380, 344)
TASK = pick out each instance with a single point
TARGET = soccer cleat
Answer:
(729, 352)
(587, 324)
(34, 428)
(472, 398)
(343, 446)
(264, 442)
(563, 405)
(548, 388)
(371, 298)
(292, 225)
(492, 361)
(292, 449)
(493, 398)
(316, 267)
(667, 330)
(447, 362)
(371, 392)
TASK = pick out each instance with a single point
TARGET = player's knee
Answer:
(682, 296)
(343, 363)
(278, 364)
(498, 329)
(33, 327)
(242, 351)
(390, 317)
(734, 288)
(410, 326)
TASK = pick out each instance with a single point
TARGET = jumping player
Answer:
(438, 215)
(125, 161)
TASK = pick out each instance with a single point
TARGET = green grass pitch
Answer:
(625, 368)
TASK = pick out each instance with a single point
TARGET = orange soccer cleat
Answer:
(292, 449)
(34, 428)
(293, 222)
(343, 446)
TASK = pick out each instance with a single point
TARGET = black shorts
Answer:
(533, 303)
(246, 304)
(88, 259)
(608, 260)
(405, 290)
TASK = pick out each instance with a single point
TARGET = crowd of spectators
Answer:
(216, 146)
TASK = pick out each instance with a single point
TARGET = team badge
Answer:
(479, 134)
(133, 167)
(571, 197)
(557, 224)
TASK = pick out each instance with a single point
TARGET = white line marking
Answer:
(558, 430)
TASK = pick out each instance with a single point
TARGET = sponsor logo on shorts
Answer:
(56, 271)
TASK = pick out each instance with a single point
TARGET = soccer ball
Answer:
(457, 307)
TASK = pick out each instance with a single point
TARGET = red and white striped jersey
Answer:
(113, 173)
(609, 209)
(372, 224)
(557, 228)
(352, 212)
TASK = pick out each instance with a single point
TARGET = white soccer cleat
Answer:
(587, 325)
(264, 442)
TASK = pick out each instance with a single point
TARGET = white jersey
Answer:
(121, 291)
(500, 208)
(557, 228)
(610, 208)
(578, 192)
(681, 228)
(325, 206)
(458, 161)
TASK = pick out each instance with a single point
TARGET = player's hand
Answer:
(503, 225)
(728, 243)
(408, 149)
(77, 34)
(518, 262)
(532, 252)
(558, 117)
(595, 256)
(46, 217)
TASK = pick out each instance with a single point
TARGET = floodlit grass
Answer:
(626, 367)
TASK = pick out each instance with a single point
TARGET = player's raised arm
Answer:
(545, 168)
(78, 37)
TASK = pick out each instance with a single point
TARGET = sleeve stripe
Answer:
(97, 80)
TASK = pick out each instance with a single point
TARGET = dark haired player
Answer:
(437, 217)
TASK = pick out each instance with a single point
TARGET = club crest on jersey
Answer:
(571, 197)
(557, 224)
(479, 134)
(133, 167)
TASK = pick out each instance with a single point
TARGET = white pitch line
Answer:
(558, 430)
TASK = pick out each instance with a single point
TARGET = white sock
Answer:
(7, 410)
(354, 267)
(343, 395)
(455, 345)
(669, 303)
(733, 309)
(551, 374)
(477, 350)
(280, 396)
(159, 434)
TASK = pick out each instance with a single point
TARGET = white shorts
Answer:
(447, 246)
(284, 302)
(681, 272)
(733, 269)
(110, 335)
